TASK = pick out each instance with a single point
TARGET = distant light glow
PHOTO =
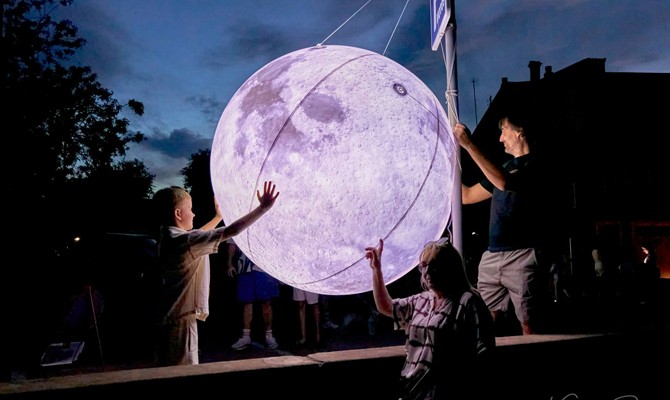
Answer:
(360, 149)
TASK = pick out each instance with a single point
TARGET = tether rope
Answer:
(354, 14)
(338, 28)
(396, 27)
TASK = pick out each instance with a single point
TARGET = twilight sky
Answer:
(185, 59)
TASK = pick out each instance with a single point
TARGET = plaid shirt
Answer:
(439, 340)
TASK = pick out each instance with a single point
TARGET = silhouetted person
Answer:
(510, 268)
(254, 286)
(648, 275)
(303, 300)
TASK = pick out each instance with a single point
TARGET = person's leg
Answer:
(301, 317)
(192, 343)
(173, 345)
(494, 294)
(266, 288)
(324, 307)
(301, 303)
(312, 300)
(245, 297)
(182, 343)
(317, 322)
(270, 341)
(247, 315)
(523, 281)
(267, 315)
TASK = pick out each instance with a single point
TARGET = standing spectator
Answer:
(627, 276)
(304, 299)
(253, 286)
(648, 275)
(598, 265)
(183, 254)
(360, 309)
(650, 260)
(560, 276)
(326, 317)
(510, 268)
(448, 329)
(603, 280)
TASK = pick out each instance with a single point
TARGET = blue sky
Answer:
(184, 59)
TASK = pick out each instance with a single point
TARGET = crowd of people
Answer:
(613, 278)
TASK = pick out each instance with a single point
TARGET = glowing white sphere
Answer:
(360, 149)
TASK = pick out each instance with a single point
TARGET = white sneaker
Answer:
(271, 342)
(242, 343)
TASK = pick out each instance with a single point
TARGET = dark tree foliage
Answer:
(63, 127)
(64, 170)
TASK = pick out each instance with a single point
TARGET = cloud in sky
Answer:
(184, 60)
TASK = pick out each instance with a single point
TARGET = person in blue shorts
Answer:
(253, 286)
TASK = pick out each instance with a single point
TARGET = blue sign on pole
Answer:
(440, 12)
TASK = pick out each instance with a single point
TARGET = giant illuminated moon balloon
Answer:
(360, 149)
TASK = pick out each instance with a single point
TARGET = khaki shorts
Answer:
(178, 342)
(510, 276)
(302, 295)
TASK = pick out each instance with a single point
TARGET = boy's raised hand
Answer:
(269, 196)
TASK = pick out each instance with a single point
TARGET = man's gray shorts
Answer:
(509, 275)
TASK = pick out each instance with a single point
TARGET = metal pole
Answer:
(452, 114)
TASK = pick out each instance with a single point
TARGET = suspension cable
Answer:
(396, 27)
(338, 28)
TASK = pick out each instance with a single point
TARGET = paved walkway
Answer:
(357, 331)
